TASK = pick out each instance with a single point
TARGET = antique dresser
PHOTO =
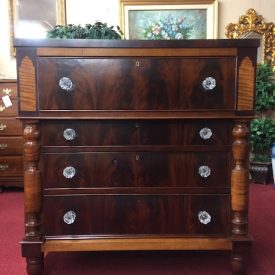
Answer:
(135, 145)
(11, 140)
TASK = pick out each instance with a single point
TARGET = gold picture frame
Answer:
(198, 17)
(252, 25)
(56, 12)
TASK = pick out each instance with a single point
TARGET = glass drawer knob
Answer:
(69, 217)
(69, 134)
(66, 84)
(205, 133)
(204, 171)
(204, 217)
(69, 172)
(209, 83)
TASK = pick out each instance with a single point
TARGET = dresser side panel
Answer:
(27, 85)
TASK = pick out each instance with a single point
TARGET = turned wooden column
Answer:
(31, 244)
(239, 196)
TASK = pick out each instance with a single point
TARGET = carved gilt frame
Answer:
(252, 22)
(13, 18)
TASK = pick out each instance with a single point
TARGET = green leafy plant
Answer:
(262, 135)
(98, 30)
(265, 88)
(262, 129)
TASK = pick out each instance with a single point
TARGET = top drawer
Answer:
(136, 83)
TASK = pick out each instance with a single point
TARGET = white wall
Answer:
(86, 11)
(7, 62)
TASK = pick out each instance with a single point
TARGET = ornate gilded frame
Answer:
(252, 22)
(13, 16)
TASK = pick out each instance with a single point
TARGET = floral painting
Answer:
(173, 20)
(168, 24)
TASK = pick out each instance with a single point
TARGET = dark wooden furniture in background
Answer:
(136, 145)
(11, 140)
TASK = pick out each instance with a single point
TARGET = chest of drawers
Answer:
(11, 140)
(136, 145)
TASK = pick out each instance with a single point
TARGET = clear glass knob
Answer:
(204, 171)
(69, 134)
(205, 133)
(65, 83)
(209, 83)
(69, 217)
(204, 217)
(69, 172)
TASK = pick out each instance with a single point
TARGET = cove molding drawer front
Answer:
(116, 215)
(136, 83)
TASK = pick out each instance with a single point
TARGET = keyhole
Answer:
(137, 63)
(137, 156)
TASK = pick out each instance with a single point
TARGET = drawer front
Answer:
(11, 146)
(10, 127)
(104, 133)
(11, 166)
(8, 88)
(9, 111)
(137, 214)
(136, 83)
(141, 169)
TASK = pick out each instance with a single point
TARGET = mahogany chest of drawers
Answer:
(11, 140)
(136, 145)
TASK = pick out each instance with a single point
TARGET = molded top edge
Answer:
(94, 43)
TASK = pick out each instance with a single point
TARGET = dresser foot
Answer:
(239, 256)
(237, 264)
(35, 265)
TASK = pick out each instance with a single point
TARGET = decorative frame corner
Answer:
(253, 22)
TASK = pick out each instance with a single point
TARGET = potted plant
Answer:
(262, 128)
(98, 30)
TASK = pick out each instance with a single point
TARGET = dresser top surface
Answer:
(94, 43)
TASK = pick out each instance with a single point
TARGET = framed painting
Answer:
(32, 18)
(174, 19)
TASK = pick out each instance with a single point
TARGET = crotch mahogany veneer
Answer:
(135, 145)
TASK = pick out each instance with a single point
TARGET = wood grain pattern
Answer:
(136, 83)
(246, 85)
(136, 169)
(152, 243)
(10, 127)
(27, 85)
(118, 215)
(32, 183)
(135, 132)
(11, 146)
(86, 52)
(239, 179)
